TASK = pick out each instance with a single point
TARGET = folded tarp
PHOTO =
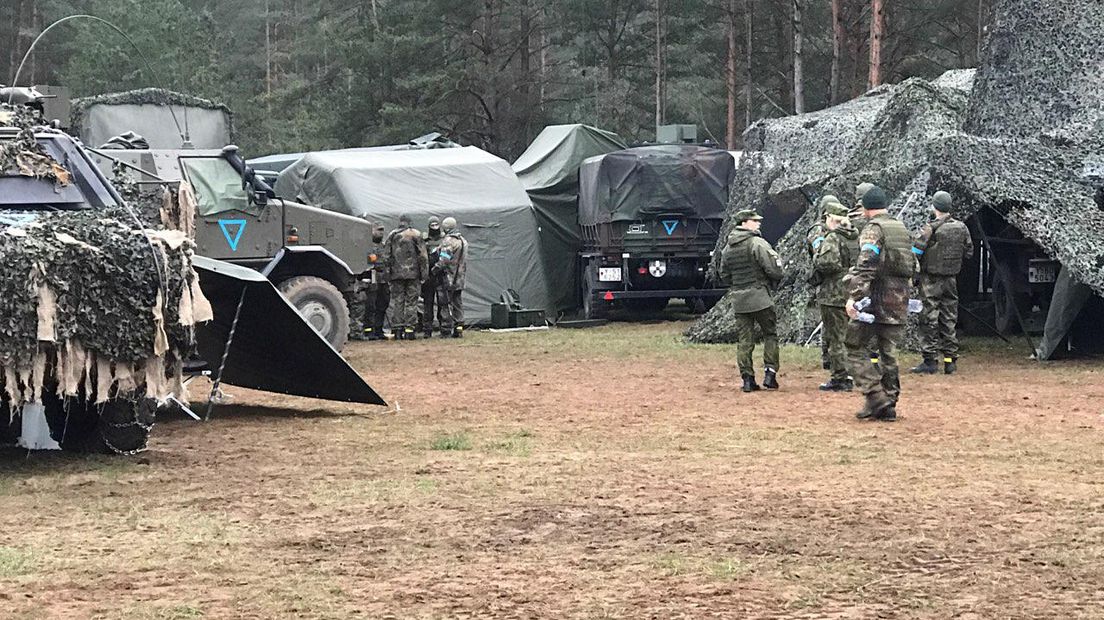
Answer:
(549, 171)
(477, 188)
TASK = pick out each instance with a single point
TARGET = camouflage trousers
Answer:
(355, 301)
(403, 309)
(870, 378)
(430, 303)
(451, 306)
(377, 297)
(834, 337)
(939, 318)
(767, 321)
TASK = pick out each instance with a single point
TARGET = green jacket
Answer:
(834, 256)
(884, 269)
(749, 266)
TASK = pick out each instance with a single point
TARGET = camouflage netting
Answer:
(1023, 136)
(94, 301)
(146, 96)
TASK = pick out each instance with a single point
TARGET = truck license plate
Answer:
(609, 274)
(1042, 272)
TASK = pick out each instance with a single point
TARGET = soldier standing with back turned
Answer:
(376, 289)
(750, 267)
(879, 286)
(407, 268)
(943, 246)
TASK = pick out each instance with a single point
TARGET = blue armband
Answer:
(873, 248)
(917, 251)
(817, 242)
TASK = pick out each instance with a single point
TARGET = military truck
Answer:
(650, 218)
(314, 256)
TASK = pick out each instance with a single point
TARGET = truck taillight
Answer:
(293, 235)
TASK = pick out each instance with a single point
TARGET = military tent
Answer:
(279, 161)
(475, 187)
(164, 118)
(549, 171)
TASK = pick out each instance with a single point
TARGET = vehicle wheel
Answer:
(322, 305)
(592, 307)
(119, 426)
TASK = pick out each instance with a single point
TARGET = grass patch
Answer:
(513, 444)
(673, 564)
(452, 441)
(14, 562)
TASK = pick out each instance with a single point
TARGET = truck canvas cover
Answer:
(549, 171)
(471, 185)
(645, 182)
(208, 125)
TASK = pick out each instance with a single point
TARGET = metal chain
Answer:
(216, 386)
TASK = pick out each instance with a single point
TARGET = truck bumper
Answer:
(669, 294)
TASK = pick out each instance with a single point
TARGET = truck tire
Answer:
(322, 305)
(593, 308)
(119, 426)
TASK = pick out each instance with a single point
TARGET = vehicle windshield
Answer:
(86, 188)
(217, 185)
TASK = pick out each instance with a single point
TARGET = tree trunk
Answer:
(837, 50)
(877, 33)
(798, 59)
(981, 19)
(543, 59)
(730, 77)
(660, 59)
(375, 17)
(268, 49)
(748, 31)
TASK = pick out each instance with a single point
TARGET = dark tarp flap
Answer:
(549, 172)
(648, 181)
(274, 349)
(1069, 299)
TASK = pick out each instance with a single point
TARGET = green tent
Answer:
(549, 171)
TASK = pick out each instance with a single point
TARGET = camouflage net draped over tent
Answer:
(147, 96)
(1024, 137)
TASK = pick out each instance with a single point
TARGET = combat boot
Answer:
(873, 407)
(927, 367)
(410, 334)
(837, 385)
(770, 379)
(458, 332)
(950, 365)
(749, 384)
(888, 413)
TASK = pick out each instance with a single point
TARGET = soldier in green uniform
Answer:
(942, 247)
(451, 274)
(857, 217)
(813, 237)
(432, 238)
(750, 267)
(407, 265)
(377, 293)
(835, 255)
(878, 306)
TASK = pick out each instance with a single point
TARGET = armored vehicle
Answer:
(650, 219)
(314, 256)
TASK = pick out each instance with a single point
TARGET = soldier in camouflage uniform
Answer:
(450, 276)
(835, 255)
(750, 267)
(882, 274)
(432, 238)
(813, 237)
(943, 246)
(376, 291)
(857, 217)
(404, 257)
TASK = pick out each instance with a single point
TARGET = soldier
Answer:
(813, 237)
(858, 220)
(432, 238)
(750, 267)
(879, 289)
(450, 275)
(943, 246)
(376, 290)
(835, 255)
(404, 257)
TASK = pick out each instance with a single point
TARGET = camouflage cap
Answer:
(744, 215)
(836, 209)
(379, 227)
(942, 201)
(825, 200)
(434, 221)
(449, 224)
(875, 199)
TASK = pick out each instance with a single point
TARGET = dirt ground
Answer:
(606, 473)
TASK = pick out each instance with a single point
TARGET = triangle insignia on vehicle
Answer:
(670, 226)
(232, 230)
